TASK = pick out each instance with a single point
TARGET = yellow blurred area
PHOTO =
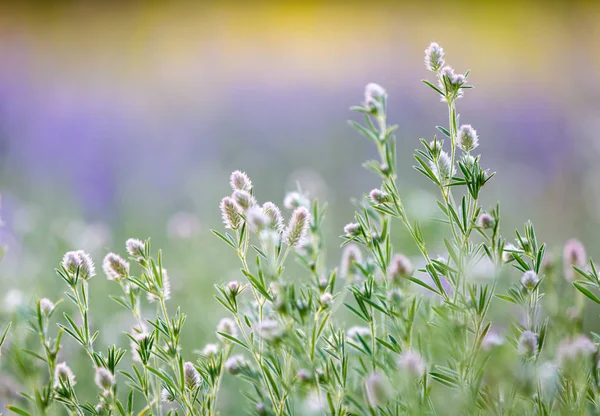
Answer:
(174, 44)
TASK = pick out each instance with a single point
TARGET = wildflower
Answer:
(303, 375)
(257, 219)
(235, 364)
(412, 363)
(528, 344)
(239, 181)
(227, 326)
(104, 379)
(374, 96)
(436, 147)
(243, 200)
(64, 375)
(270, 330)
(570, 349)
(139, 333)
(492, 339)
(378, 389)
(400, 267)
(210, 350)
(115, 267)
(467, 138)
(509, 252)
(358, 331)
(135, 247)
(234, 288)
(274, 215)
(164, 291)
(351, 256)
(80, 263)
(434, 57)
(326, 299)
(297, 227)
(230, 213)
(529, 279)
(443, 168)
(295, 200)
(485, 221)
(451, 83)
(191, 376)
(378, 196)
(352, 229)
(46, 306)
(573, 255)
(167, 396)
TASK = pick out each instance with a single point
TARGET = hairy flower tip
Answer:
(270, 330)
(377, 389)
(74, 261)
(443, 168)
(115, 268)
(528, 343)
(273, 212)
(235, 364)
(243, 199)
(351, 256)
(233, 287)
(570, 349)
(165, 290)
(467, 138)
(451, 83)
(135, 247)
(239, 181)
(230, 213)
(352, 229)
(529, 279)
(412, 363)
(400, 267)
(434, 57)
(210, 350)
(326, 299)
(355, 332)
(377, 196)
(573, 255)
(104, 379)
(436, 147)
(297, 228)
(64, 375)
(257, 219)
(46, 306)
(374, 96)
(226, 326)
(509, 252)
(191, 376)
(485, 221)
(167, 396)
(295, 200)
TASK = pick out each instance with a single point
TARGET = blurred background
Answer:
(125, 120)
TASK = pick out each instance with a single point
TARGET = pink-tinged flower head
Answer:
(467, 138)
(239, 181)
(79, 262)
(573, 255)
(230, 213)
(273, 212)
(115, 268)
(243, 199)
(434, 57)
(135, 247)
(297, 228)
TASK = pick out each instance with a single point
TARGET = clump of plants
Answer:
(481, 327)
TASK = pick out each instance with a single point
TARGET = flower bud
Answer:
(573, 255)
(227, 326)
(412, 363)
(326, 299)
(352, 229)
(115, 267)
(400, 267)
(528, 344)
(377, 389)
(243, 199)
(297, 228)
(467, 138)
(378, 196)
(104, 379)
(485, 221)
(529, 279)
(239, 181)
(166, 396)
(62, 373)
(434, 57)
(295, 200)
(443, 168)
(257, 219)
(235, 364)
(210, 350)
(230, 213)
(79, 262)
(274, 215)
(46, 306)
(191, 376)
(135, 247)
